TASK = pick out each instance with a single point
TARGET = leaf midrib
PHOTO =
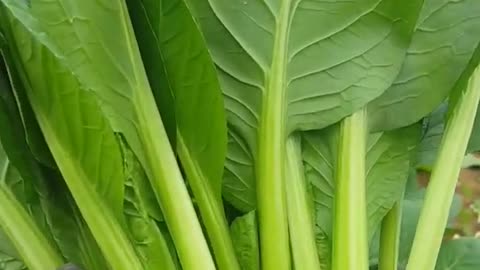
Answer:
(274, 103)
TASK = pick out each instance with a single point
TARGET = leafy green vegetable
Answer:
(119, 151)
(176, 53)
(80, 139)
(279, 75)
(114, 72)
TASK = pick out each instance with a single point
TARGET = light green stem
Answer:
(27, 238)
(211, 210)
(106, 229)
(170, 190)
(164, 173)
(300, 220)
(350, 246)
(270, 162)
(390, 238)
(441, 188)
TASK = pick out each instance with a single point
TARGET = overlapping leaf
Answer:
(178, 63)
(83, 143)
(40, 189)
(445, 42)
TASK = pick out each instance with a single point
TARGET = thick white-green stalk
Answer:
(350, 245)
(211, 210)
(441, 188)
(300, 220)
(170, 190)
(270, 171)
(106, 229)
(27, 238)
(164, 174)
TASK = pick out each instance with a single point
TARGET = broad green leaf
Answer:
(245, 238)
(95, 42)
(139, 200)
(279, 74)
(148, 20)
(243, 55)
(460, 254)
(178, 63)
(80, 139)
(446, 38)
(357, 47)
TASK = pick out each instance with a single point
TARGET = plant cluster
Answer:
(235, 134)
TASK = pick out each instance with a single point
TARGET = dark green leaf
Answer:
(446, 38)
(148, 20)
